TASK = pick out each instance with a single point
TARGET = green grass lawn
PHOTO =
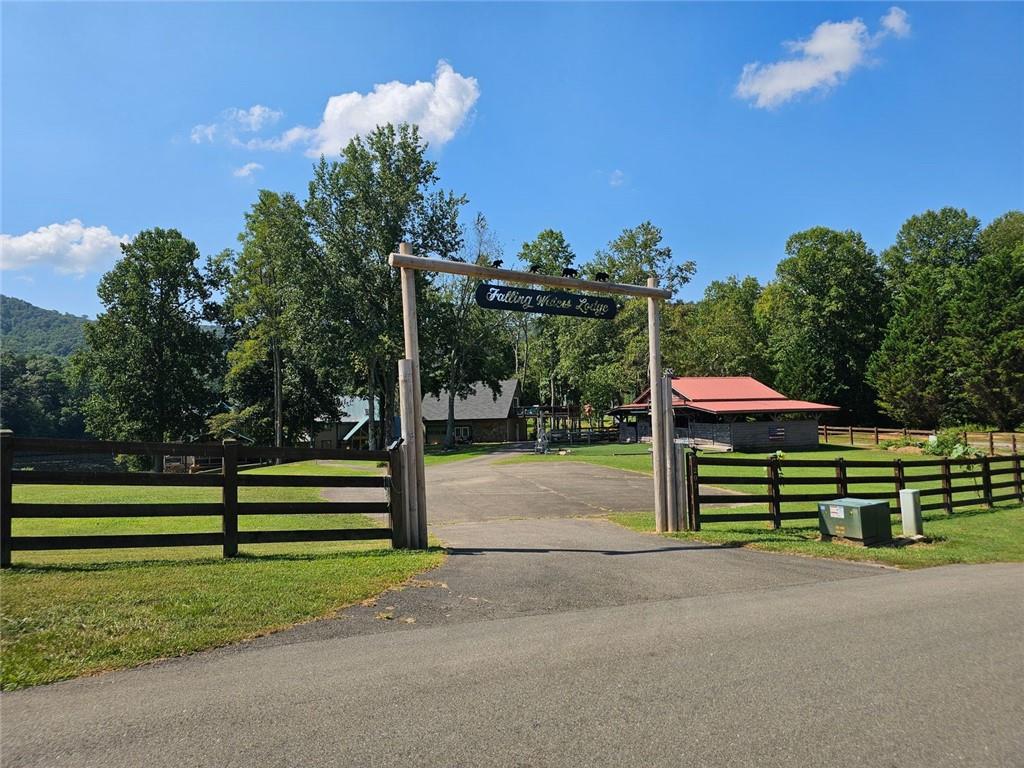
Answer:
(967, 536)
(74, 612)
(435, 454)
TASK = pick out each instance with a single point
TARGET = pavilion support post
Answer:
(412, 353)
(657, 411)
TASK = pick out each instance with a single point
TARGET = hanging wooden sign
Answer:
(545, 302)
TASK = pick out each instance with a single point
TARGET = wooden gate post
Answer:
(671, 469)
(397, 499)
(657, 410)
(694, 478)
(682, 466)
(775, 491)
(947, 487)
(412, 353)
(229, 497)
(409, 477)
(1017, 476)
(986, 479)
(6, 495)
(842, 480)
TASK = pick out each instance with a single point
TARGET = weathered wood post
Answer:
(397, 499)
(1017, 476)
(657, 410)
(899, 475)
(6, 495)
(986, 479)
(842, 479)
(412, 353)
(775, 491)
(991, 443)
(947, 487)
(851, 434)
(682, 467)
(229, 497)
(409, 477)
(826, 434)
(671, 470)
(876, 435)
(694, 491)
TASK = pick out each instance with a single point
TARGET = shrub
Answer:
(950, 442)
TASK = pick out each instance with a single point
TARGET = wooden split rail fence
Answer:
(993, 442)
(229, 508)
(943, 484)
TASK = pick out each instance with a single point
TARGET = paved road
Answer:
(573, 642)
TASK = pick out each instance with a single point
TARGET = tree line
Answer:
(263, 340)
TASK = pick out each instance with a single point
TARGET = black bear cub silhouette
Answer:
(497, 263)
(570, 272)
(602, 276)
(535, 268)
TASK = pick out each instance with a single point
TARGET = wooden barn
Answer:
(729, 413)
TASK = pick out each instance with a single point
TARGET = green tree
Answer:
(382, 192)
(914, 369)
(262, 294)
(720, 334)
(35, 399)
(471, 345)
(823, 317)
(149, 364)
(987, 325)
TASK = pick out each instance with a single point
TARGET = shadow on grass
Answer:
(242, 557)
(549, 550)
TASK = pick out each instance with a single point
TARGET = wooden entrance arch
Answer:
(667, 496)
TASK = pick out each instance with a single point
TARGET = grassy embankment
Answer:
(972, 534)
(75, 612)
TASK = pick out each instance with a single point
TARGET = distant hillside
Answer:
(28, 329)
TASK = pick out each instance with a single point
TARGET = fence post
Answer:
(900, 474)
(842, 481)
(682, 465)
(397, 499)
(851, 435)
(229, 497)
(1017, 477)
(774, 491)
(991, 443)
(876, 435)
(1013, 443)
(826, 434)
(986, 479)
(947, 487)
(6, 495)
(694, 491)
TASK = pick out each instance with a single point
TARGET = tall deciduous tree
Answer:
(720, 334)
(914, 369)
(382, 192)
(263, 292)
(824, 315)
(149, 364)
(470, 345)
(987, 324)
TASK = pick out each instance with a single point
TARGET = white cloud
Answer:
(896, 23)
(234, 121)
(617, 178)
(70, 248)
(822, 61)
(438, 107)
(247, 170)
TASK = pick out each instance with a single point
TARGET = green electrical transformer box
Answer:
(865, 520)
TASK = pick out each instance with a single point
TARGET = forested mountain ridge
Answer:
(30, 330)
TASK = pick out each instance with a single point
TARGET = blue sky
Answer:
(582, 117)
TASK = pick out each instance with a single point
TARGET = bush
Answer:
(901, 442)
(950, 442)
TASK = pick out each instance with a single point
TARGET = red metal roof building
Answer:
(728, 411)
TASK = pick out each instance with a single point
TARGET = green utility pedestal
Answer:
(863, 520)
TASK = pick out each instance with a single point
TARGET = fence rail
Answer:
(990, 479)
(994, 442)
(229, 509)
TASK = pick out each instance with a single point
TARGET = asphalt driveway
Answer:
(554, 640)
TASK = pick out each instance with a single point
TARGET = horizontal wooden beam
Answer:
(36, 543)
(303, 454)
(58, 511)
(64, 445)
(314, 508)
(249, 479)
(524, 278)
(325, 534)
(46, 477)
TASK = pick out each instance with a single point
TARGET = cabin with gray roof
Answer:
(482, 417)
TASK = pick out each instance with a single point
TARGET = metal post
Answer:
(656, 400)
